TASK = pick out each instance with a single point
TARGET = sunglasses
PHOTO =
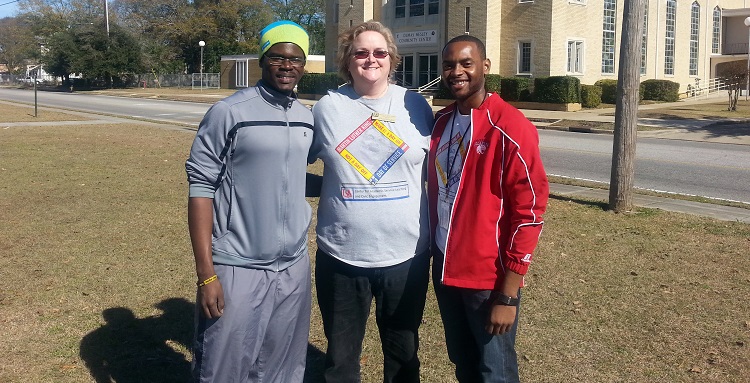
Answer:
(278, 61)
(379, 54)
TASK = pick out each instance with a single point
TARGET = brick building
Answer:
(684, 40)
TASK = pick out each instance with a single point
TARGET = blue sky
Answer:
(8, 9)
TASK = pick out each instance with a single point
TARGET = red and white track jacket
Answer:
(497, 213)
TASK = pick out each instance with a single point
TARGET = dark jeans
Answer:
(478, 356)
(345, 294)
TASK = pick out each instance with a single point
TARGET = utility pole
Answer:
(626, 108)
(106, 15)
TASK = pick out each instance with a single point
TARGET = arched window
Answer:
(608, 36)
(695, 20)
(716, 36)
(644, 41)
(669, 39)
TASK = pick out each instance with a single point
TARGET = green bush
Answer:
(609, 90)
(660, 90)
(318, 83)
(591, 96)
(492, 83)
(515, 88)
(557, 89)
(443, 92)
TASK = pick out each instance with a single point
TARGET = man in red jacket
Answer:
(487, 193)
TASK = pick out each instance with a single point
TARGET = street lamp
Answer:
(747, 88)
(203, 44)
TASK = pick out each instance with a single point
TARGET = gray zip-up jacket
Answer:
(250, 156)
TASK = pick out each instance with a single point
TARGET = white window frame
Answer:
(240, 73)
(609, 52)
(669, 38)
(716, 31)
(644, 41)
(519, 56)
(577, 65)
(695, 23)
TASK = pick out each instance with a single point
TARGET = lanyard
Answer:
(451, 160)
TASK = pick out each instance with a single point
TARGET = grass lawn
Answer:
(98, 276)
(13, 112)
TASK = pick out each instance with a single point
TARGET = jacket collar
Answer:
(274, 97)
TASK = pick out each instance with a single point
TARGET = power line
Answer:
(10, 2)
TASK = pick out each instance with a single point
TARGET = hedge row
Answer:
(318, 83)
(554, 89)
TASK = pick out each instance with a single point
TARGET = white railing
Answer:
(432, 85)
(704, 88)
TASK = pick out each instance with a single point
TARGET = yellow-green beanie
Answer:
(284, 31)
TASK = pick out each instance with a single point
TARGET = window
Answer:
(240, 73)
(715, 37)
(669, 39)
(416, 8)
(524, 57)
(644, 39)
(405, 72)
(695, 20)
(400, 9)
(608, 36)
(428, 69)
(575, 56)
(467, 20)
(433, 7)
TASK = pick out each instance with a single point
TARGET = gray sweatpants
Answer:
(262, 335)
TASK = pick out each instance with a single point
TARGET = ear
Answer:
(487, 65)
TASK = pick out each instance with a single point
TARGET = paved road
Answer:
(189, 113)
(697, 168)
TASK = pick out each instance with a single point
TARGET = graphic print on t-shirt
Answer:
(449, 160)
(372, 146)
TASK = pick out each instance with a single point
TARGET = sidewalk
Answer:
(705, 129)
(686, 129)
(720, 212)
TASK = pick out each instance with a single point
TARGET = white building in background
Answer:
(684, 40)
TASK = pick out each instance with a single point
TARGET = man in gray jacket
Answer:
(248, 221)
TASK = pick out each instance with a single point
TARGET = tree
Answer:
(98, 58)
(308, 13)
(626, 108)
(734, 74)
(17, 43)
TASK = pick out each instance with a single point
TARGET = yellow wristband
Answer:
(207, 281)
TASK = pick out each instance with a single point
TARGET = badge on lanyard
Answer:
(384, 117)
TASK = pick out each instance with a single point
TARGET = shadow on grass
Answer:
(604, 206)
(130, 349)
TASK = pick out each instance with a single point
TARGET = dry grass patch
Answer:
(710, 110)
(175, 94)
(99, 278)
(13, 112)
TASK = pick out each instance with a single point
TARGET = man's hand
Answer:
(211, 300)
(501, 319)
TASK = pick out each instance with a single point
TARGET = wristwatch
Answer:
(505, 300)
